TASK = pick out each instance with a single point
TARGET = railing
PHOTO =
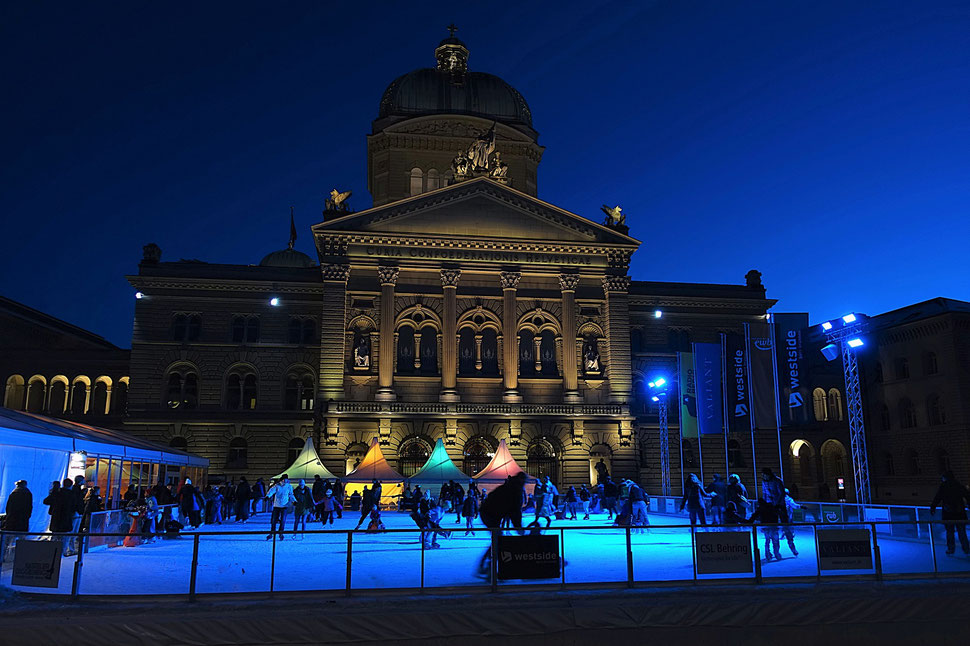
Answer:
(424, 408)
(103, 524)
(344, 561)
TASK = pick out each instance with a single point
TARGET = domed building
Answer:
(458, 307)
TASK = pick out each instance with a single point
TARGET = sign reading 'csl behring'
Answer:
(528, 557)
(723, 552)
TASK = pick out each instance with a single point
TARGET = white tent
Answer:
(438, 470)
(307, 465)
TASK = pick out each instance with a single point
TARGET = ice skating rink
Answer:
(594, 552)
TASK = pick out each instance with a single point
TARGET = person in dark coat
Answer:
(457, 498)
(502, 503)
(303, 507)
(366, 504)
(53, 505)
(953, 495)
(20, 505)
(61, 503)
(258, 494)
(718, 490)
(610, 492)
(736, 493)
(318, 491)
(693, 499)
(243, 492)
(767, 514)
(376, 492)
(92, 504)
(469, 509)
(189, 503)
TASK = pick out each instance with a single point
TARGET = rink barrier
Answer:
(493, 585)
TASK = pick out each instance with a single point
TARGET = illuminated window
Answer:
(36, 393)
(835, 404)
(241, 389)
(183, 388)
(412, 455)
(819, 405)
(298, 394)
(16, 391)
(527, 356)
(541, 460)
(478, 452)
(405, 350)
(417, 181)
(434, 181)
(293, 450)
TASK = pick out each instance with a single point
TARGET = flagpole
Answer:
(774, 370)
(751, 407)
(680, 418)
(724, 393)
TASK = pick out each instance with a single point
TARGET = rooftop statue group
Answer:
(479, 159)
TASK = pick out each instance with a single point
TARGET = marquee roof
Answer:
(307, 465)
(374, 466)
(438, 469)
(501, 467)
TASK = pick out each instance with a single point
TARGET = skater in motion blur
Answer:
(953, 495)
(502, 503)
(693, 499)
(767, 515)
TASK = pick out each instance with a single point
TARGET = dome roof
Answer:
(432, 91)
(286, 258)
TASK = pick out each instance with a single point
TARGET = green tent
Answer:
(307, 465)
(438, 470)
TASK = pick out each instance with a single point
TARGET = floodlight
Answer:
(660, 382)
(855, 343)
(849, 318)
(139, 295)
(830, 352)
(655, 398)
(827, 326)
(657, 314)
(275, 302)
(651, 384)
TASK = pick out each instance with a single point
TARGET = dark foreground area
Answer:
(900, 612)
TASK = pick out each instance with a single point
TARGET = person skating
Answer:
(317, 491)
(790, 507)
(469, 509)
(457, 498)
(584, 498)
(281, 497)
(571, 503)
(547, 509)
(366, 504)
(77, 491)
(377, 492)
(767, 515)
(258, 493)
(329, 507)
(638, 508)
(737, 493)
(375, 525)
(731, 515)
(773, 491)
(953, 495)
(694, 496)
(92, 505)
(502, 503)
(189, 504)
(61, 502)
(435, 515)
(148, 527)
(303, 506)
(20, 505)
(610, 492)
(718, 491)
(243, 492)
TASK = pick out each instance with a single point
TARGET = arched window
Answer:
(238, 329)
(527, 353)
(417, 181)
(298, 394)
(914, 466)
(889, 467)
(819, 405)
(942, 460)
(293, 449)
(885, 418)
(902, 368)
(119, 398)
(179, 443)
(405, 350)
(252, 329)
(489, 352)
(309, 332)
(636, 340)
(478, 452)
(179, 327)
(434, 181)
(242, 389)
(15, 393)
(835, 404)
(238, 456)
(934, 410)
(183, 387)
(294, 331)
(907, 414)
(412, 455)
(930, 365)
(541, 460)
(802, 456)
(735, 454)
(688, 452)
(195, 327)
(429, 350)
(99, 401)
(833, 460)
(58, 397)
(547, 354)
(79, 397)
(36, 393)
(467, 352)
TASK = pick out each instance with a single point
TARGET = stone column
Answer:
(385, 368)
(332, 337)
(570, 379)
(618, 361)
(510, 347)
(449, 336)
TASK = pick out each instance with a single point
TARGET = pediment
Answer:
(478, 208)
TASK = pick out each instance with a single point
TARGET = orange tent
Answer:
(374, 466)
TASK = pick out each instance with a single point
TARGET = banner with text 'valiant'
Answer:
(761, 368)
(792, 377)
(710, 388)
(738, 411)
(688, 395)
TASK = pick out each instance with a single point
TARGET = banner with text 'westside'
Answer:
(762, 370)
(738, 411)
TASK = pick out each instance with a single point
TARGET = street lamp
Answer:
(658, 394)
(844, 336)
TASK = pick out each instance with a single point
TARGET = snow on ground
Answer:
(594, 553)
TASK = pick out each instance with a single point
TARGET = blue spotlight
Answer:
(849, 318)
(827, 326)
(855, 343)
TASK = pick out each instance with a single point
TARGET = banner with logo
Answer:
(762, 371)
(844, 549)
(738, 400)
(528, 557)
(709, 387)
(723, 552)
(792, 367)
(688, 395)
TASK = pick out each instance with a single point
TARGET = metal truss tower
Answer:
(664, 448)
(853, 396)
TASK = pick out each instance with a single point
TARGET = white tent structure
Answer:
(42, 449)
(374, 466)
(438, 470)
(499, 468)
(306, 466)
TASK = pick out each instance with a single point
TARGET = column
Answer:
(332, 325)
(510, 346)
(570, 380)
(385, 368)
(449, 336)
(618, 360)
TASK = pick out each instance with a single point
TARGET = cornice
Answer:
(155, 282)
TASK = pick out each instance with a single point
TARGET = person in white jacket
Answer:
(281, 496)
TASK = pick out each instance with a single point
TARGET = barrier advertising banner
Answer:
(761, 359)
(709, 385)
(528, 557)
(688, 395)
(844, 549)
(723, 552)
(792, 367)
(37, 563)
(736, 362)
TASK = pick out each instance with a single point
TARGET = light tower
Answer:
(844, 337)
(658, 389)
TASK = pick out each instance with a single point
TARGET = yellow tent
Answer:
(374, 466)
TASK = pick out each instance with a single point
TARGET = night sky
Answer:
(826, 144)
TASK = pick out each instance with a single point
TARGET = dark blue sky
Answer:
(825, 143)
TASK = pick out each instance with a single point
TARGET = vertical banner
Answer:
(688, 395)
(790, 355)
(736, 374)
(707, 376)
(762, 385)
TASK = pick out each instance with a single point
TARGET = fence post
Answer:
(876, 554)
(693, 552)
(629, 559)
(272, 562)
(3, 547)
(350, 547)
(757, 556)
(78, 562)
(422, 561)
(929, 528)
(493, 560)
(562, 558)
(195, 566)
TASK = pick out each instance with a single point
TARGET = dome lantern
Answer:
(452, 56)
